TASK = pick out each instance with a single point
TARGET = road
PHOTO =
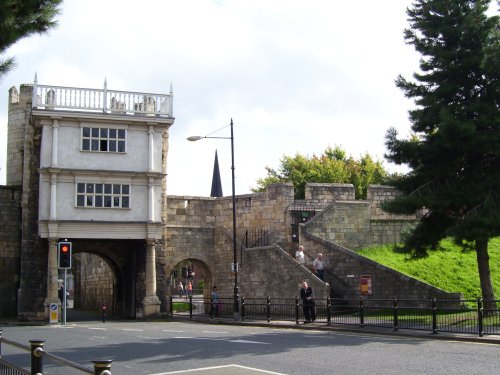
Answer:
(164, 347)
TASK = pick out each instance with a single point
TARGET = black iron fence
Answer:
(37, 354)
(458, 316)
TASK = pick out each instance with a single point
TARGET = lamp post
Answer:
(234, 268)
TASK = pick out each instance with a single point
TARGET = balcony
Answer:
(103, 100)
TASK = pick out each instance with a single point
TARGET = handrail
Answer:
(117, 102)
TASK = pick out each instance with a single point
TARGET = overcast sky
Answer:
(295, 76)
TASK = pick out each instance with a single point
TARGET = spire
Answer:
(216, 183)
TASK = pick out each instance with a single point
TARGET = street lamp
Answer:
(236, 308)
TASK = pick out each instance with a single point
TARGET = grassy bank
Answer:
(450, 269)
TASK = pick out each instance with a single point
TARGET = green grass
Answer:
(450, 269)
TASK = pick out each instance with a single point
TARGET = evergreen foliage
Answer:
(23, 18)
(332, 166)
(453, 152)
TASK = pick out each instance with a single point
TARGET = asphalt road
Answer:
(184, 347)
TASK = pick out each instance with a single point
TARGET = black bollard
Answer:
(36, 357)
(104, 309)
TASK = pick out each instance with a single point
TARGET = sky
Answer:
(295, 76)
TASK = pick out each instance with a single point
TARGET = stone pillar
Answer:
(151, 303)
(52, 277)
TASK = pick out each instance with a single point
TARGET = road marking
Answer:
(238, 341)
(216, 332)
(98, 337)
(256, 370)
(171, 331)
(97, 329)
(132, 330)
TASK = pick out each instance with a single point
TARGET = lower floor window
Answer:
(102, 195)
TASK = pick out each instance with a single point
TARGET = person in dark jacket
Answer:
(308, 304)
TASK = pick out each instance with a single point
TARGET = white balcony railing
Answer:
(102, 100)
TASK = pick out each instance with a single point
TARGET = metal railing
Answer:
(457, 316)
(37, 353)
(102, 100)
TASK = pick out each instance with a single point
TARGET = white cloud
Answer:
(296, 76)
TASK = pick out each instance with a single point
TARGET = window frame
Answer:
(98, 194)
(100, 139)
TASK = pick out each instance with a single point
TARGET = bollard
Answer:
(102, 367)
(104, 309)
(36, 358)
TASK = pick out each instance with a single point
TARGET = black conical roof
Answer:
(216, 183)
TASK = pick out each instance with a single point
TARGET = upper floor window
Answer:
(102, 195)
(103, 139)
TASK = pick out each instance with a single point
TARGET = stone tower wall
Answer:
(10, 240)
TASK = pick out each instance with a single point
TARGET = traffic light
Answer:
(64, 254)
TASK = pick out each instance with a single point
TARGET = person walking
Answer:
(299, 255)
(180, 289)
(319, 267)
(308, 303)
(189, 290)
(214, 302)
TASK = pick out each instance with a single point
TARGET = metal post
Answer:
(36, 358)
(190, 307)
(102, 367)
(171, 306)
(395, 314)
(65, 301)
(236, 309)
(297, 310)
(328, 310)
(361, 313)
(242, 308)
(434, 315)
(268, 308)
(480, 315)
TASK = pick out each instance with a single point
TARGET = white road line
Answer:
(219, 367)
(97, 329)
(238, 341)
(216, 332)
(132, 330)
(171, 331)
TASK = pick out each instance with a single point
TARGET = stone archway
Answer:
(96, 284)
(197, 272)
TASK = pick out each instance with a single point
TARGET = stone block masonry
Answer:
(10, 240)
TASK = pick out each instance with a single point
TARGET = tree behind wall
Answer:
(332, 166)
(22, 18)
(454, 150)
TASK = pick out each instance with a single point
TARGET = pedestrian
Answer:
(308, 303)
(180, 289)
(189, 290)
(60, 294)
(214, 302)
(299, 255)
(319, 267)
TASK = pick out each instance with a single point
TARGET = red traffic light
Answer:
(64, 248)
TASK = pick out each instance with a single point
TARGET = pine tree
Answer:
(453, 152)
(22, 18)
